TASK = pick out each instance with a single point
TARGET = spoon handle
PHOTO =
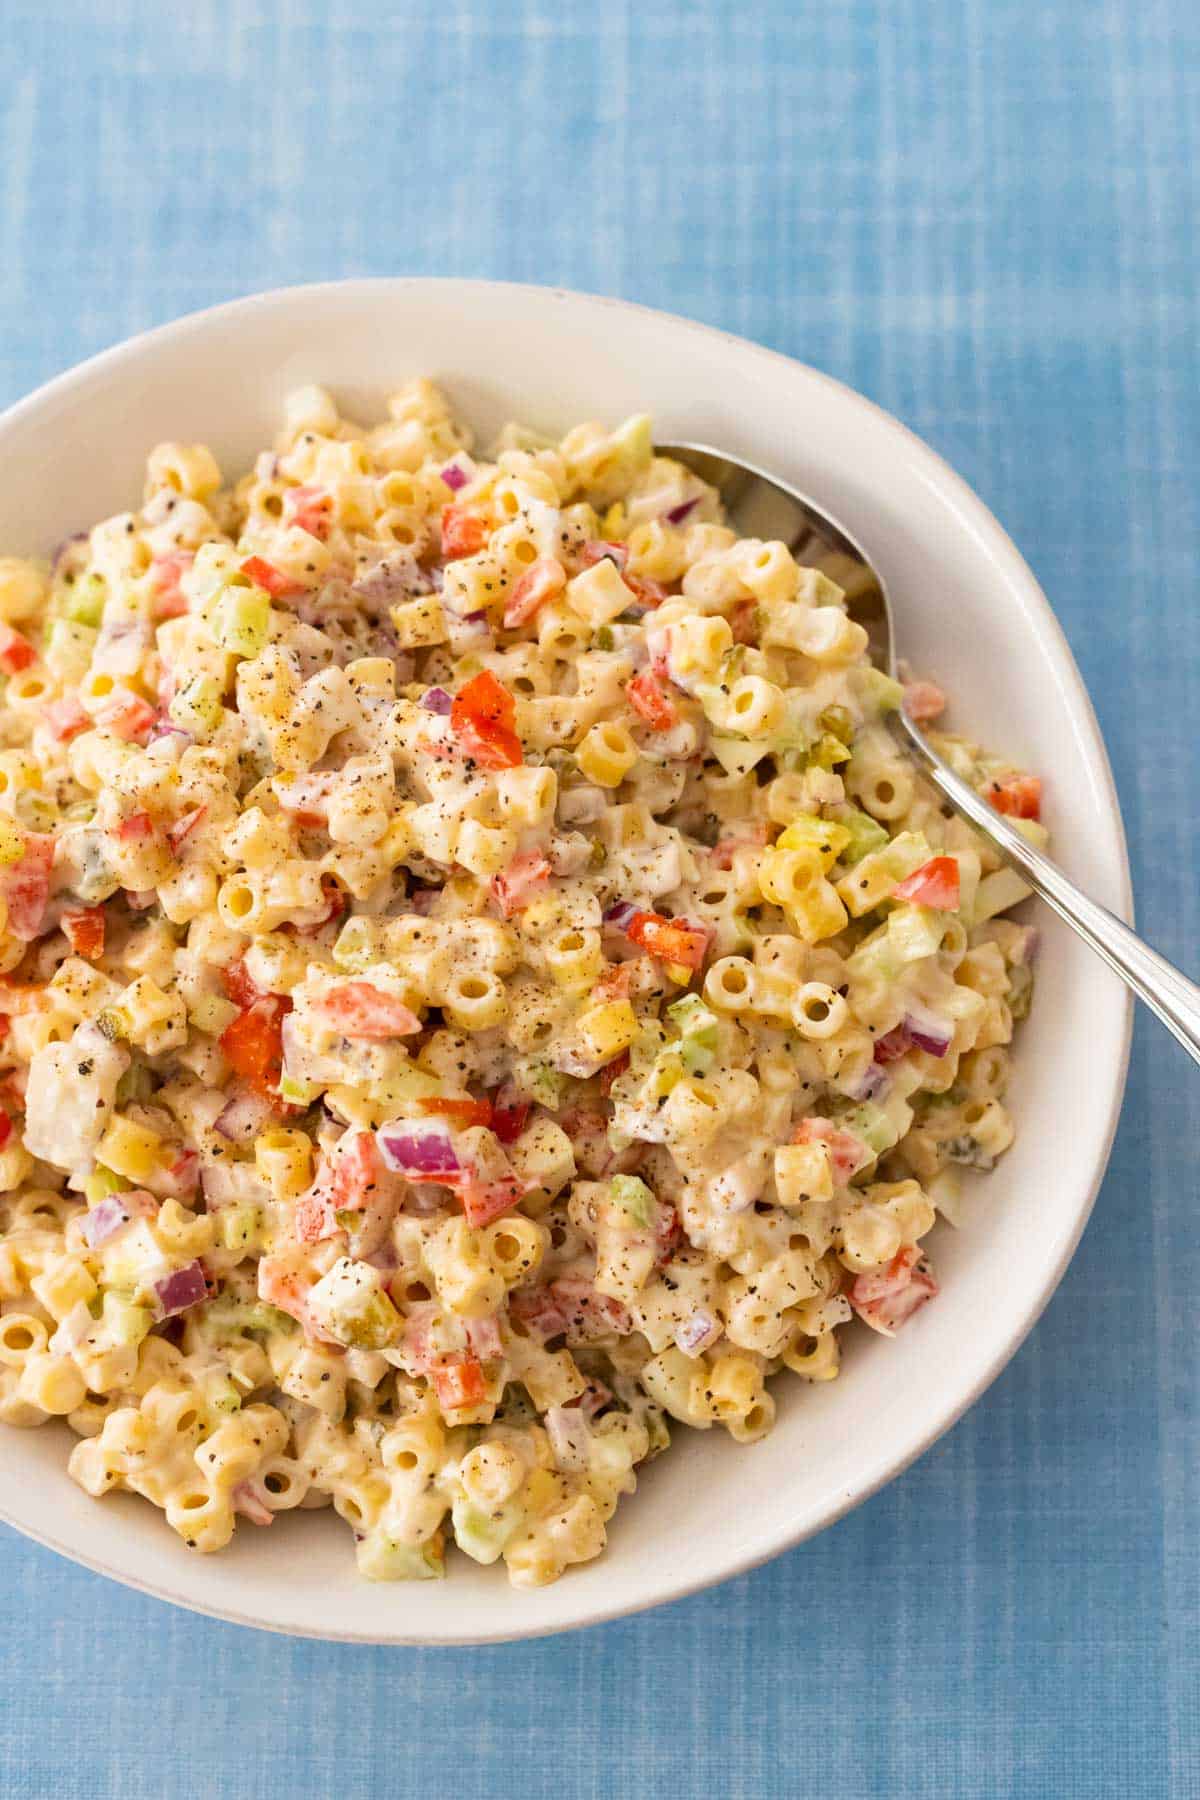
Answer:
(1170, 995)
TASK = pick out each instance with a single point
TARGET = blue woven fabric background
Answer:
(982, 213)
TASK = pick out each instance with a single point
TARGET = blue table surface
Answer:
(982, 213)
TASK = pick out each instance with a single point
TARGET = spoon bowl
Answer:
(763, 507)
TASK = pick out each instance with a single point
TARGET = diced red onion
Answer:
(418, 1151)
(163, 728)
(932, 1035)
(483, 1335)
(104, 1221)
(67, 548)
(456, 476)
(697, 1333)
(621, 914)
(184, 1288)
(569, 1436)
(679, 513)
(914, 1033)
(872, 1084)
(421, 900)
(437, 700)
(599, 548)
(248, 1500)
(242, 1118)
(595, 1396)
(396, 576)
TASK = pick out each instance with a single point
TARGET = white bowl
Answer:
(971, 614)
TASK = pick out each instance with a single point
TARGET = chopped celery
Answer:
(297, 1093)
(865, 835)
(697, 1028)
(837, 720)
(874, 960)
(355, 948)
(83, 601)
(69, 649)
(872, 1124)
(137, 1083)
(483, 1535)
(197, 706)
(381, 1558)
(241, 1227)
(604, 639)
(102, 1182)
(123, 1321)
(877, 692)
(1020, 991)
(829, 752)
(634, 1199)
(242, 620)
(914, 931)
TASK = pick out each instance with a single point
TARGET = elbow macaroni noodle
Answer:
(478, 985)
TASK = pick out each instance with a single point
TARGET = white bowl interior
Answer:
(971, 615)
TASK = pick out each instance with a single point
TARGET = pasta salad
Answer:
(479, 985)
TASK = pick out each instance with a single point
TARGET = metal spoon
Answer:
(764, 508)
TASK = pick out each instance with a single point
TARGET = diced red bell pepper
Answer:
(353, 1172)
(749, 837)
(483, 718)
(510, 1113)
(525, 876)
(483, 1201)
(253, 1044)
(458, 1382)
(934, 884)
(183, 828)
(16, 652)
(272, 580)
(668, 1232)
(6, 1129)
(540, 582)
(586, 1313)
(128, 716)
(600, 548)
(648, 698)
(671, 940)
(743, 622)
(238, 985)
(463, 532)
(893, 1045)
(138, 828)
(612, 1071)
(166, 572)
(310, 509)
(463, 1112)
(923, 701)
(1018, 795)
(66, 718)
(847, 1153)
(25, 886)
(84, 930)
(647, 592)
(359, 1010)
(886, 1298)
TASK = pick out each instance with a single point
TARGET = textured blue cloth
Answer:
(982, 213)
